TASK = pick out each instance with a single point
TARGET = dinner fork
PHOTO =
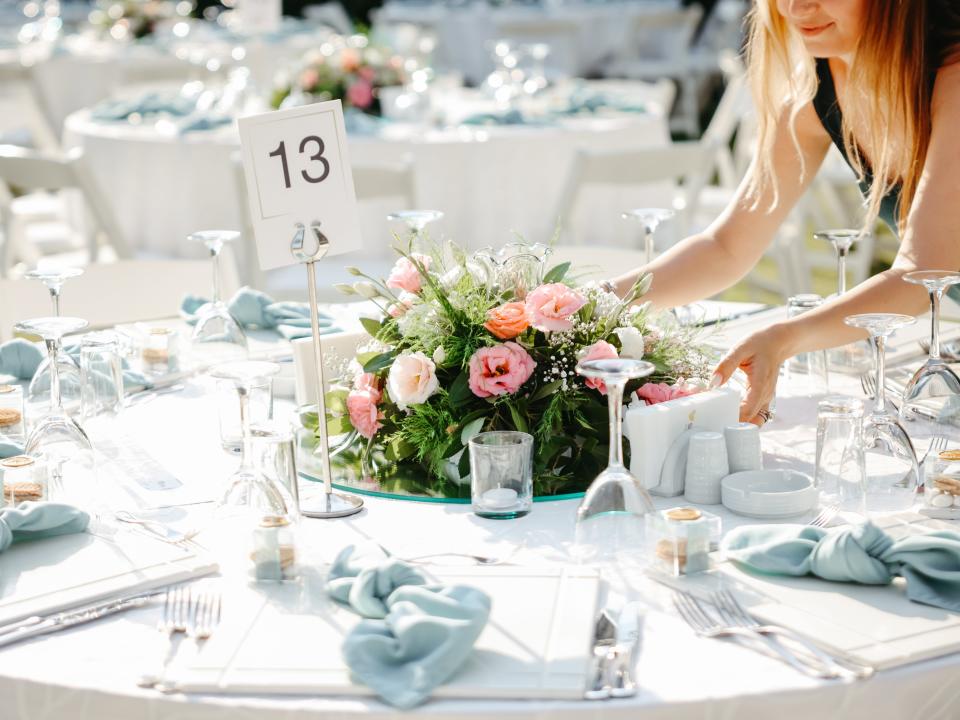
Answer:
(733, 612)
(176, 612)
(937, 445)
(825, 516)
(705, 625)
(869, 385)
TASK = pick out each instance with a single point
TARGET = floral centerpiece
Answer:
(491, 342)
(131, 19)
(348, 69)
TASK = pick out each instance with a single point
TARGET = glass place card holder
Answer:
(941, 485)
(273, 550)
(680, 540)
(24, 479)
(160, 353)
(11, 414)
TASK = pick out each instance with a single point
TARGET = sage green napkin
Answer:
(930, 563)
(255, 309)
(9, 449)
(20, 358)
(416, 635)
(36, 520)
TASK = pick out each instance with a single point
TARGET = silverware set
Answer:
(615, 644)
(725, 617)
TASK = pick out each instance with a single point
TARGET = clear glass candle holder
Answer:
(228, 405)
(840, 468)
(941, 485)
(12, 427)
(275, 456)
(160, 351)
(501, 474)
(24, 479)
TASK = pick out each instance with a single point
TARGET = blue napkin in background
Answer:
(254, 309)
(416, 635)
(9, 449)
(20, 358)
(510, 117)
(930, 563)
(201, 123)
(151, 103)
(37, 520)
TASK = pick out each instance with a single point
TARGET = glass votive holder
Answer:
(11, 413)
(24, 479)
(501, 474)
(275, 455)
(807, 372)
(681, 539)
(273, 551)
(840, 475)
(101, 375)
(941, 486)
(160, 352)
(228, 407)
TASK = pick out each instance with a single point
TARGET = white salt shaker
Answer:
(706, 467)
(743, 447)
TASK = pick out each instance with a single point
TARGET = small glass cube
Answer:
(11, 413)
(24, 480)
(681, 539)
(273, 550)
(161, 351)
(941, 486)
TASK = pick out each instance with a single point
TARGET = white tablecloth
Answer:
(90, 673)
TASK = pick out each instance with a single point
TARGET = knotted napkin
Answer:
(254, 309)
(416, 635)
(930, 563)
(9, 449)
(20, 358)
(36, 520)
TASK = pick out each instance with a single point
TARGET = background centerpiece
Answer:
(490, 342)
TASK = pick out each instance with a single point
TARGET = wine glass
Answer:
(216, 328)
(416, 221)
(247, 488)
(38, 392)
(934, 379)
(854, 357)
(611, 517)
(56, 437)
(892, 470)
(650, 219)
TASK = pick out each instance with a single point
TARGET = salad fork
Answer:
(176, 613)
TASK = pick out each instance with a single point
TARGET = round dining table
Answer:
(90, 672)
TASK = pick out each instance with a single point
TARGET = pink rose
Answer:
(364, 414)
(404, 303)
(369, 383)
(405, 275)
(360, 94)
(600, 350)
(550, 306)
(367, 73)
(653, 393)
(500, 369)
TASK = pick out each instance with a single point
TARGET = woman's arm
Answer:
(712, 261)
(931, 242)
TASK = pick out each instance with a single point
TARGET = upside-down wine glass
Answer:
(934, 380)
(611, 517)
(38, 392)
(649, 219)
(416, 221)
(56, 437)
(854, 357)
(216, 329)
(248, 488)
(892, 471)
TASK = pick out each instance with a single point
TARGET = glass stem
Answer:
(880, 404)
(935, 295)
(841, 270)
(55, 296)
(215, 254)
(648, 243)
(246, 451)
(53, 350)
(614, 405)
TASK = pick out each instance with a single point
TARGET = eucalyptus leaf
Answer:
(371, 325)
(519, 421)
(460, 392)
(546, 390)
(556, 273)
(379, 362)
(463, 467)
(471, 429)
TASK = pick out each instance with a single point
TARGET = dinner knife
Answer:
(604, 637)
(38, 625)
(629, 629)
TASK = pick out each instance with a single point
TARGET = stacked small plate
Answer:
(769, 494)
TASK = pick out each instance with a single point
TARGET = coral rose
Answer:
(500, 369)
(508, 320)
(412, 379)
(360, 94)
(364, 414)
(370, 383)
(550, 306)
(405, 275)
(600, 350)
(653, 393)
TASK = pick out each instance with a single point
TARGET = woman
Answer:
(878, 77)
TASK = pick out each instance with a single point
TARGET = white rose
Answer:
(366, 289)
(631, 342)
(412, 379)
(439, 355)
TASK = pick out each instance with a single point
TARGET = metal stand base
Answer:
(330, 505)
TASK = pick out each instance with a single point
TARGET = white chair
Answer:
(30, 171)
(120, 292)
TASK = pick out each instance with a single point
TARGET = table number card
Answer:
(297, 169)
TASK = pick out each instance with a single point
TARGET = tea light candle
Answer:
(499, 497)
(22, 480)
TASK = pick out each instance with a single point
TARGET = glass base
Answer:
(501, 515)
(330, 505)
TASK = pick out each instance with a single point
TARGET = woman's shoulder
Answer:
(945, 102)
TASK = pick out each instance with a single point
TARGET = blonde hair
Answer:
(888, 91)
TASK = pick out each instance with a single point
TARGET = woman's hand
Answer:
(759, 356)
